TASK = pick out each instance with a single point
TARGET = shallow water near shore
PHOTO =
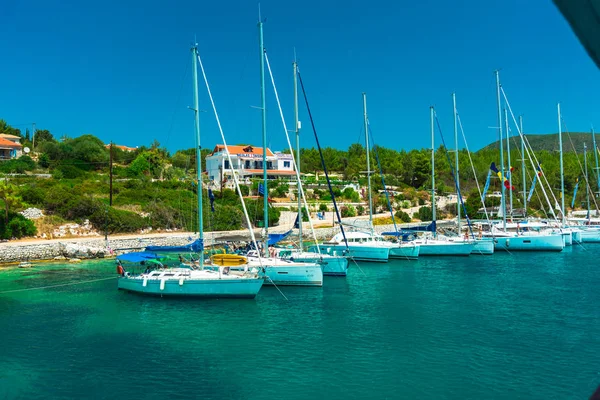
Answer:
(501, 327)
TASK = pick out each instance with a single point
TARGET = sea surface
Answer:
(521, 326)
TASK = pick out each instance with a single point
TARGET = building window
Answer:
(286, 164)
(269, 165)
(248, 164)
(257, 164)
(226, 164)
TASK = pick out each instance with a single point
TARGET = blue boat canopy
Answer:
(137, 257)
(194, 247)
(275, 238)
(428, 228)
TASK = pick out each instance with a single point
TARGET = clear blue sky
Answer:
(121, 70)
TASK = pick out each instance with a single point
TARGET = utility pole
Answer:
(33, 137)
(110, 173)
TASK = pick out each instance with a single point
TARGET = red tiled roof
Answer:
(9, 143)
(238, 150)
(124, 148)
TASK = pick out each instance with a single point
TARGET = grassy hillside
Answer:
(549, 142)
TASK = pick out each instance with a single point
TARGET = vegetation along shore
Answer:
(67, 183)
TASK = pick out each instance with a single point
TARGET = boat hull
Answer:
(292, 275)
(590, 235)
(530, 243)
(405, 252)
(218, 288)
(483, 247)
(446, 249)
(331, 265)
(360, 253)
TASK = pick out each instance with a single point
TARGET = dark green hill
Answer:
(549, 142)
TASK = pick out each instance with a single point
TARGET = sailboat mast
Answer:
(523, 166)
(458, 200)
(366, 122)
(510, 203)
(198, 148)
(503, 200)
(596, 158)
(587, 188)
(432, 171)
(297, 125)
(562, 174)
(263, 108)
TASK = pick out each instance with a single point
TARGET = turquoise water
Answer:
(502, 327)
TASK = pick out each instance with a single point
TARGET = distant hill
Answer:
(549, 142)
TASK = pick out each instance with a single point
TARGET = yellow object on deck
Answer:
(228, 260)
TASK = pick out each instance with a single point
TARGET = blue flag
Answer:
(535, 179)
(575, 193)
(487, 184)
(532, 187)
(261, 189)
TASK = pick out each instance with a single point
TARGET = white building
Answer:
(10, 146)
(247, 163)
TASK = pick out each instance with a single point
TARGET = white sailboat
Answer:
(364, 244)
(278, 271)
(331, 264)
(430, 243)
(191, 282)
(482, 246)
(507, 240)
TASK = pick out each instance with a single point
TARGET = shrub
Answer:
(33, 195)
(281, 190)
(44, 160)
(350, 194)
(323, 207)
(66, 171)
(245, 190)
(162, 216)
(255, 211)
(18, 226)
(348, 211)
(225, 217)
(360, 210)
(403, 216)
(112, 220)
(425, 213)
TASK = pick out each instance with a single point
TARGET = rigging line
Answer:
(59, 285)
(235, 178)
(456, 184)
(359, 268)
(276, 287)
(176, 108)
(518, 150)
(473, 168)
(387, 196)
(287, 136)
(312, 122)
(587, 183)
(531, 158)
(530, 151)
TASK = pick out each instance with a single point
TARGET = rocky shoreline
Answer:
(91, 248)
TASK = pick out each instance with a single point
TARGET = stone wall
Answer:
(97, 248)
(90, 248)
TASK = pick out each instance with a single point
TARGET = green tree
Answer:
(41, 136)
(9, 195)
(44, 160)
